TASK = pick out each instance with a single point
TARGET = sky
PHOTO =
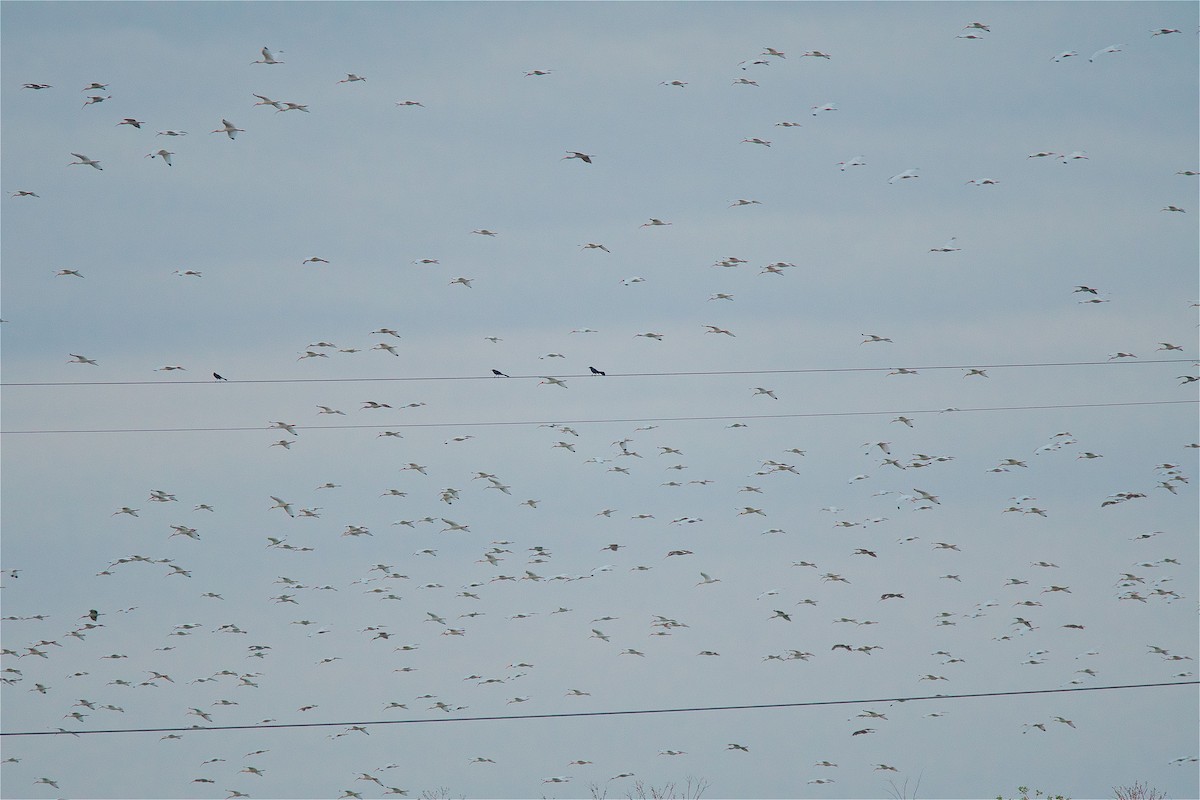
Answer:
(945, 421)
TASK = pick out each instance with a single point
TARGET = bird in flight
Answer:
(85, 161)
(584, 157)
(229, 129)
(948, 247)
(1112, 48)
(285, 505)
(267, 58)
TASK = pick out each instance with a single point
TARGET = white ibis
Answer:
(84, 160)
(267, 58)
(229, 129)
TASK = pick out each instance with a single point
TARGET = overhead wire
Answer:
(625, 712)
(796, 371)
(605, 420)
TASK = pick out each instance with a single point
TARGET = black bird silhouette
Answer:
(93, 615)
(218, 377)
(596, 371)
(499, 374)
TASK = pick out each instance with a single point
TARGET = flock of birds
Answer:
(841, 587)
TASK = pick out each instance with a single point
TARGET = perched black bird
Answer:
(499, 374)
(218, 377)
(596, 371)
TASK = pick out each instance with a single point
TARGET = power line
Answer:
(501, 423)
(629, 712)
(811, 370)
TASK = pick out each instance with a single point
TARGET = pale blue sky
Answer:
(374, 188)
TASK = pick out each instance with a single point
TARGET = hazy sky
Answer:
(699, 527)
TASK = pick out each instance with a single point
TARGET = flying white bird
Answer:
(85, 161)
(1112, 48)
(285, 505)
(267, 58)
(229, 129)
(908, 173)
(165, 155)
